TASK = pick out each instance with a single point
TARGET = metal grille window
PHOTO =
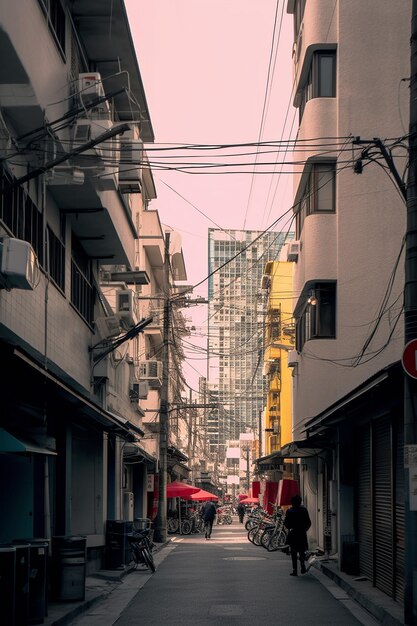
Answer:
(56, 250)
(321, 79)
(20, 215)
(318, 319)
(82, 290)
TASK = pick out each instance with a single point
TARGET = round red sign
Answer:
(409, 358)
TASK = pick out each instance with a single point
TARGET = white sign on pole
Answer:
(410, 462)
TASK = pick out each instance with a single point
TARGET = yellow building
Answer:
(279, 339)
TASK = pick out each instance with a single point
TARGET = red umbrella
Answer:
(203, 495)
(177, 489)
(250, 501)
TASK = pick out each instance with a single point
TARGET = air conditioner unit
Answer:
(293, 358)
(139, 390)
(130, 166)
(128, 506)
(19, 266)
(294, 249)
(152, 372)
(64, 175)
(125, 307)
(108, 327)
(90, 86)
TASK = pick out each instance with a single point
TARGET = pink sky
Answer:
(204, 65)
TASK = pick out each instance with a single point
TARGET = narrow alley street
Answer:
(224, 580)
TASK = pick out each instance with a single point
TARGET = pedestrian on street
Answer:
(241, 511)
(297, 520)
(208, 513)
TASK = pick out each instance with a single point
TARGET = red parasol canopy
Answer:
(250, 501)
(203, 495)
(243, 496)
(177, 489)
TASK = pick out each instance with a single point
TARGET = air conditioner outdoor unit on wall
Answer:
(108, 327)
(152, 372)
(90, 86)
(18, 264)
(294, 249)
(293, 358)
(130, 166)
(125, 307)
(139, 390)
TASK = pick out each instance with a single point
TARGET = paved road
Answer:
(225, 580)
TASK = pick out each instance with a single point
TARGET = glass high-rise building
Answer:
(237, 309)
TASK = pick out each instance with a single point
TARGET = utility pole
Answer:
(161, 518)
(410, 332)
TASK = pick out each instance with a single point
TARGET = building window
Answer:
(19, 214)
(318, 318)
(55, 16)
(82, 290)
(56, 248)
(321, 79)
(319, 195)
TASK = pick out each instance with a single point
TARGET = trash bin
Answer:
(38, 578)
(69, 567)
(22, 583)
(350, 555)
(117, 546)
(7, 583)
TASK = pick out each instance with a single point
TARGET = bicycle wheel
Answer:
(173, 525)
(251, 533)
(186, 527)
(278, 540)
(148, 558)
(266, 537)
(250, 523)
(257, 537)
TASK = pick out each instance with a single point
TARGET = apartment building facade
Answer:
(349, 62)
(236, 320)
(78, 276)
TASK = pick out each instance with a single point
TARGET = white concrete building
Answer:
(350, 59)
(74, 202)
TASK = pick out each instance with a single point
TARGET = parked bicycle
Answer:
(224, 516)
(141, 545)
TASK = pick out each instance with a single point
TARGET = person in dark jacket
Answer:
(208, 513)
(297, 520)
(241, 509)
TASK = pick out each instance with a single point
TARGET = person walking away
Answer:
(297, 520)
(241, 512)
(208, 513)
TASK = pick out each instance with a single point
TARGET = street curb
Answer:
(376, 610)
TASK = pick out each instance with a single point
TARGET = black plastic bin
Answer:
(117, 546)
(69, 567)
(22, 583)
(38, 578)
(7, 583)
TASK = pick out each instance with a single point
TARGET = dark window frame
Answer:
(309, 202)
(313, 87)
(299, 9)
(56, 18)
(20, 215)
(318, 321)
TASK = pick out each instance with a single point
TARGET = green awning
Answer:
(11, 444)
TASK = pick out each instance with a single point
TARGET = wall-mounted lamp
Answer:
(312, 300)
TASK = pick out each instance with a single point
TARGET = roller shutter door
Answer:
(383, 509)
(364, 491)
(399, 528)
